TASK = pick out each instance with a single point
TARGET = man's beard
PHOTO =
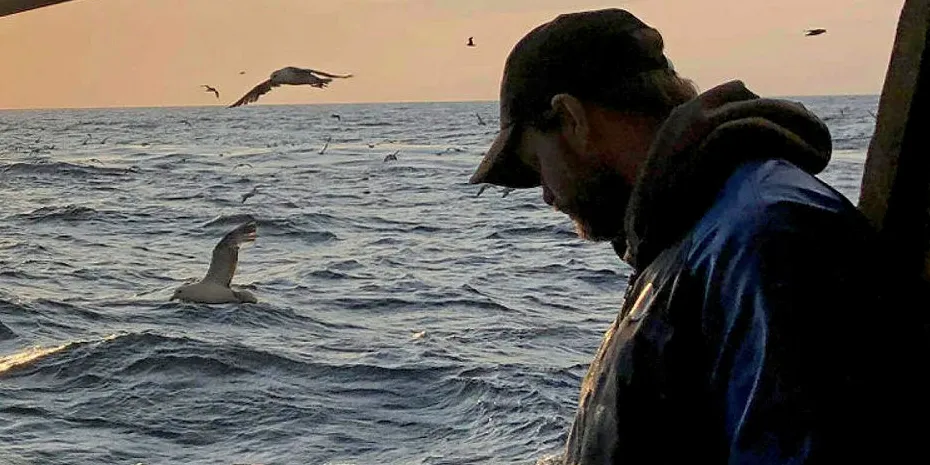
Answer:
(598, 211)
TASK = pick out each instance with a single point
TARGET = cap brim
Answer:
(501, 166)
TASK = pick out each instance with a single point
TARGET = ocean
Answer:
(401, 319)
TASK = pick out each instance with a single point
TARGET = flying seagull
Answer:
(214, 287)
(211, 89)
(471, 42)
(290, 76)
(249, 194)
(815, 32)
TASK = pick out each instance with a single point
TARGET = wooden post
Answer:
(9, 7)
(895, 193)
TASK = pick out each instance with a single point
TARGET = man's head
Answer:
(581, 98)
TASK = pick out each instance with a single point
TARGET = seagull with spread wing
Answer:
(214, 287)
(291, 76)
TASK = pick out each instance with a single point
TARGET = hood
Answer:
(699, 146)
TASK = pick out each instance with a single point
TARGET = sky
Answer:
(148, 53)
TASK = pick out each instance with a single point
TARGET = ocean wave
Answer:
(61, 168)
(6, 333)
(400, 320)
(63, 213)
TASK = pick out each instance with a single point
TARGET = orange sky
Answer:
(102, 53)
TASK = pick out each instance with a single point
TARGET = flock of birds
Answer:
(294, 76)
(216, 285)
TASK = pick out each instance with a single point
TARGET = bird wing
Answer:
(255, 93)
(323, 73)
(226, 254)
(216, 92)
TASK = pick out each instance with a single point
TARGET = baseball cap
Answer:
(586, 54)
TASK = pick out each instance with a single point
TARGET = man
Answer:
(740, 339)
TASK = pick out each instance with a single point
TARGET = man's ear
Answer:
(573, 119)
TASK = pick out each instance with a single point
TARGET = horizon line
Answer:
(397, 102)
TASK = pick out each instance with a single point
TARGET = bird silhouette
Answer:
(323, 150)
(211, 89)
(815, 32)
(249, 194)
(471, 42)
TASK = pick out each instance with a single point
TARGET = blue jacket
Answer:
(743, 342)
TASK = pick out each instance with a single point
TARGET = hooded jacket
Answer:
(740, 339)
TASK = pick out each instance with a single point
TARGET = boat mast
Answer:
(895, 193)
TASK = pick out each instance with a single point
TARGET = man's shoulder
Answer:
(767, 197)
(763, 184)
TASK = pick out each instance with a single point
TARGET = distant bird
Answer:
(211, 89)
(241, 72)
(505, 190)
(334, 115)
(290, 76)
(323, 150)
(214, 287)
(815, 32)
(249, 194)
(392, 156)
(471, 42)
(244, 164)
(480, 121)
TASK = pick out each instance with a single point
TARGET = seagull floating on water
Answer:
(214, 287)
(291, 76)
(328, 140)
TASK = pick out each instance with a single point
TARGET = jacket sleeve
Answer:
(639, 402)
(782, 297)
